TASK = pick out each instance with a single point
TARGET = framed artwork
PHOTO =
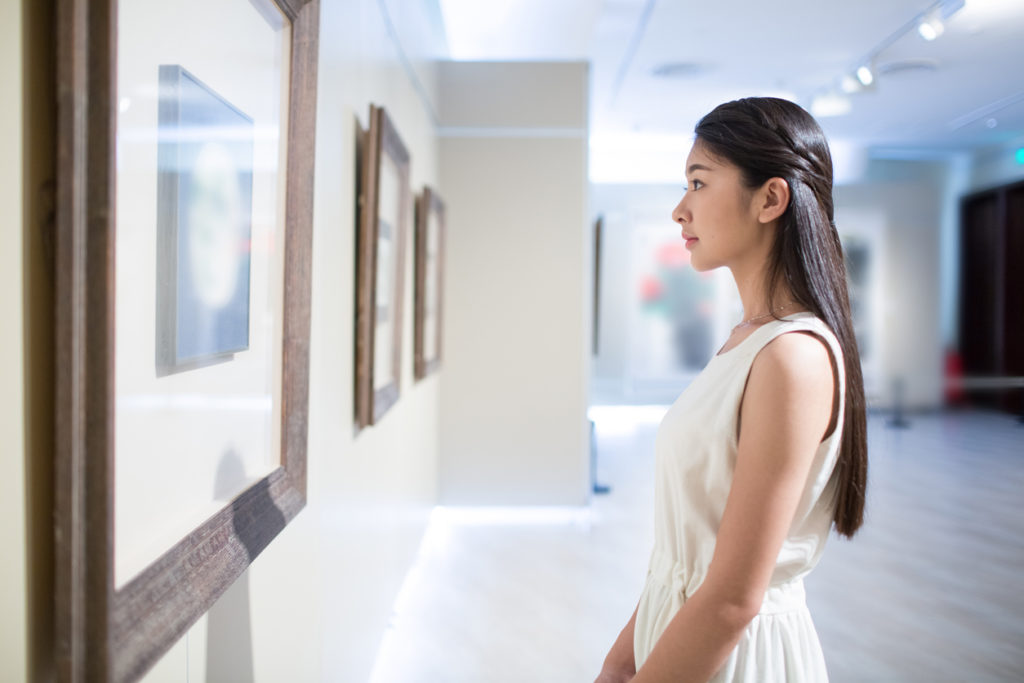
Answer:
(186, 151)
(204, 223)
(380, 254)
(429, 274)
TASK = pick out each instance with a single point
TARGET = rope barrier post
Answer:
(898, 419)
(599, 489)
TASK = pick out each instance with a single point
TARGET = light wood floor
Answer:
(930, 590)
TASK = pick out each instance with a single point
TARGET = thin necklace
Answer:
(751, 321)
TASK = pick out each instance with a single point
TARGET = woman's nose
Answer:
(679, 214)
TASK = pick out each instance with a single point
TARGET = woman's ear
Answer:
(773, 199)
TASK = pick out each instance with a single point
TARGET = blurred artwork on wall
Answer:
(429, 282)
(674, 305)
(204, 224)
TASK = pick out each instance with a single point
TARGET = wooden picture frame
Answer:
(380, 253)
(105, 631)
(429, 279)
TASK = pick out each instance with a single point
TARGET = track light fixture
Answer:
(931, 26)
(865, 75)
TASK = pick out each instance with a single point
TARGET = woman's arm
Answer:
(786, 409)
(620, 664)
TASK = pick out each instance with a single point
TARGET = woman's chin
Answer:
(700, 266)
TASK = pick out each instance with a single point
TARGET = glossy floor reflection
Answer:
(930, 590)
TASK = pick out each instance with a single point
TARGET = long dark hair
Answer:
(767, 138)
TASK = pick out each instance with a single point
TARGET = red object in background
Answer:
(672, 255)
(651, 289)
(954, 371)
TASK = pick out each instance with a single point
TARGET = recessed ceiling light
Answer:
(906, 66)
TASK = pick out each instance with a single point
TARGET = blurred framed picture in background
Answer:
(429, 274)
(384, 215)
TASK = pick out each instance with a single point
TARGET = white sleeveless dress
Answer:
(695, 453)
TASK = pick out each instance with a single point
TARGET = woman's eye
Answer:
(696, 184)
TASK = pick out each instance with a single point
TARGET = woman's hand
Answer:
(620, 665)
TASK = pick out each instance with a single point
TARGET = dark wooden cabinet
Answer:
(1013, 290)
(992, 290)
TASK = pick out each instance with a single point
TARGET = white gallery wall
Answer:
(513, 165)
(13, 580)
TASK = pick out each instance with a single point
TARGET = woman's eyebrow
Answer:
(697, 167)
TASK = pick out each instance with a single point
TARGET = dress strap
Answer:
(747, 350)
(797, 322)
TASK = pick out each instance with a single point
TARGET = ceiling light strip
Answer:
(634, 45)
(407, 66)
(863, 73)
(943, 8)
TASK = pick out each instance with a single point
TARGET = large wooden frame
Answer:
(382, 145)
(428, 205)
(103, 632)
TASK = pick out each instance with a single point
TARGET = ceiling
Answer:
(962, 91)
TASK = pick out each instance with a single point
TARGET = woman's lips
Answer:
(690, 241)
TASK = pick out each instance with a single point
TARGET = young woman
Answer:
(766, 450)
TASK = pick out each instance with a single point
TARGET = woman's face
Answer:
(719, 214)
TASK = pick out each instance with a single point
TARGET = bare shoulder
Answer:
(796, 360)
(790, 390)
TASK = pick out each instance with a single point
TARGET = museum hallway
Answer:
(928, 590)
(327, 318)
